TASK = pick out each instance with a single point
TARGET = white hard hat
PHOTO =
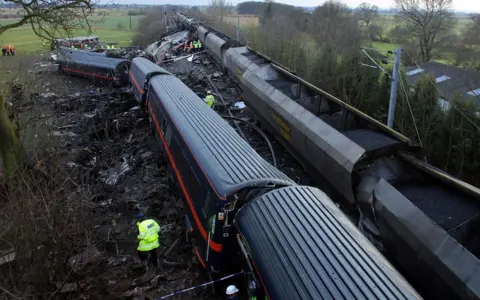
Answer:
(231, 289)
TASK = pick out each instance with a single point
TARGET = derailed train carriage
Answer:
(95, 66)
(233, 199)
(425, 219)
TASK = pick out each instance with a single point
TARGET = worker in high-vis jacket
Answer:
(148, 231)
(210, 99)
(199, 44)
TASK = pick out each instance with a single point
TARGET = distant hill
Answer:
(259, 8)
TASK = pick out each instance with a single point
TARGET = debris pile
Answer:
(108, 147)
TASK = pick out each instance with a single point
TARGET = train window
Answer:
(207, 205)
(194, 184)
(168, 135)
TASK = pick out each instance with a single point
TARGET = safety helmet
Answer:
(231, 289)
(140, 216)
(208, 92)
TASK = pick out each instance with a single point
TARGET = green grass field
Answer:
(388, 22)
(108, 30)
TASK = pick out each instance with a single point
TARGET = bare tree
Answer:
(367, 13)
(50, 18)
(218, 9)
(431, 22)
(468, 50)
(333, 23)
(471, 34)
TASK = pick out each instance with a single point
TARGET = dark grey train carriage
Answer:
(96, 66)
(216, 170)
(297, 244)
(140, 73)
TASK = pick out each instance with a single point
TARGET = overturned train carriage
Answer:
(365, 164)
(216, 170)
(96, 66)
(299, 245)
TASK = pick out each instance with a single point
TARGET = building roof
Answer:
(449, 79)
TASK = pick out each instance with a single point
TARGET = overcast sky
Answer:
(463, 5)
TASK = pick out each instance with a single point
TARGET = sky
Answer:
(461, 5)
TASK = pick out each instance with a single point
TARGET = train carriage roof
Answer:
(304, 247)
(228, 161)
(143, 69)
(89, 58)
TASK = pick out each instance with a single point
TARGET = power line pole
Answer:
(394, 87)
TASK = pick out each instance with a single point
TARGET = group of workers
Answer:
(193, 46)
(8, 49)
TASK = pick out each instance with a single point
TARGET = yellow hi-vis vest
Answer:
(210, 100)
(148, 235)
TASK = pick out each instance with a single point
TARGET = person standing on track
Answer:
(148, 230)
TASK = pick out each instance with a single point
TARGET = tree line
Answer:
(324, 48)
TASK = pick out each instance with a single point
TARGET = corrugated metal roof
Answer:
(305, 248)
(229, 160)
